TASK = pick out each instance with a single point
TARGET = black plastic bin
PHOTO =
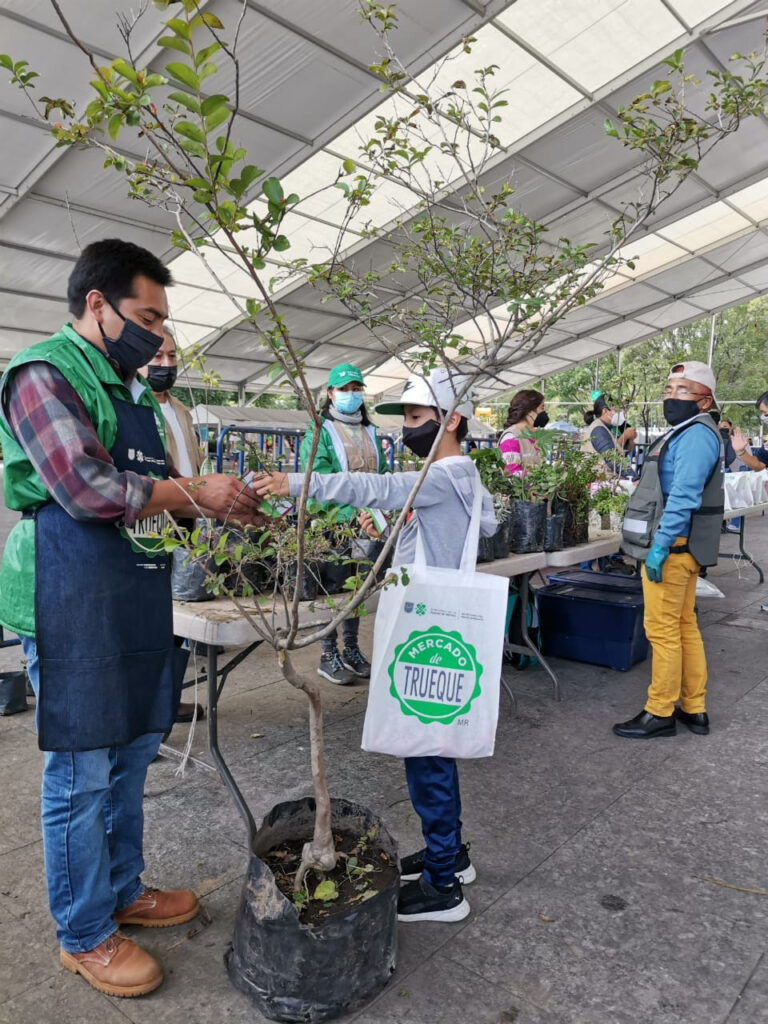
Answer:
(606, 581)
(601, 626)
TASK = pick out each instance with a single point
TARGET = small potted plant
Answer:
(573, 497)
(607, 505)
(490, 466)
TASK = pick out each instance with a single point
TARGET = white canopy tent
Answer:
(306, 102)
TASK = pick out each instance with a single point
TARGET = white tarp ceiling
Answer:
(306, 99)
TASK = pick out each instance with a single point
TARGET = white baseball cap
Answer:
(692, 370)
(439, 388)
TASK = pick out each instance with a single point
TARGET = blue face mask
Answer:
(348, 401)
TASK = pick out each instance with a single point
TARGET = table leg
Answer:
(214, 691)
(530, 646)
(524, 601)
(743, 553)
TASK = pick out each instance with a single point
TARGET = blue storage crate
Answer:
(599, 626)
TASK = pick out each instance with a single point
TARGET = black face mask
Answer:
(161, 378)
(420, 439)
(725, 433)
(678, 410)
(541, 420)
(133, 347)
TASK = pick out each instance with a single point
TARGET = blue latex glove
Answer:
(657, 556)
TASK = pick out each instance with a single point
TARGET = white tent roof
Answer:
(306, 97)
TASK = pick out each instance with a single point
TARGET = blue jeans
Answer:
(433, 785)
(93, 823)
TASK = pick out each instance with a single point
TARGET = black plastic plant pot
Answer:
(553, 532)
(300, 972)
(527, 522)
(500, 541)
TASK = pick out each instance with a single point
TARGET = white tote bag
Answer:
(437, 649)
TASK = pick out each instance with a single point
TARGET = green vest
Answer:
(93, 378)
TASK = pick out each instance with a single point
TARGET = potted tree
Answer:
(472, 254)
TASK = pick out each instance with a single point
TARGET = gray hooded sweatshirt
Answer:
(443, 505)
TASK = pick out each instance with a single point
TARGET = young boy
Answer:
(442, 510)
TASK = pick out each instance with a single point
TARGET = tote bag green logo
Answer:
(435, 675)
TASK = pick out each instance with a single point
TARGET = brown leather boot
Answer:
(158, 908)
(117, 967)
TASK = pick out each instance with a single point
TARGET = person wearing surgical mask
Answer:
(348, 443)
(599, 436)
(182, 448)
(181, 442)
(757, 458)
(525, 413)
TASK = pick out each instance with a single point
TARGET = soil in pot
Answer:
(314, 964)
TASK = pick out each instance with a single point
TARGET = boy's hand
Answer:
(271, 483)
(365, 519)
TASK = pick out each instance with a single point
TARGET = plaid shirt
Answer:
(51, 424)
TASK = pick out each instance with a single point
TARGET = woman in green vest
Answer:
(348, 443)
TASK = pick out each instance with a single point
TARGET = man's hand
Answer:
(657, 556)
(225, 497)
(271, 483)
(738, 441)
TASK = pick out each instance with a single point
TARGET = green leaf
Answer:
(326, 891)
(281, 243)
(216, 118)
(193, 147)
(253, 307)
(212, 103)
(114, 124)
(122, 67)
(206, 18)
(208, 69)
(174, 43)
(349, 166)
(6, 62)
(183, 74)
(207, 51)
(273, 190)
(185, 100)
(189, 130)
(179, 28)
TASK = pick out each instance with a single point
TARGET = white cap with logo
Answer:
(439, 388)
(695, 371)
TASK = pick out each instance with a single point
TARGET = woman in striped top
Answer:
(519, 453)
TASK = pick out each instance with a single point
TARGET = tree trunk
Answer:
(319, 854)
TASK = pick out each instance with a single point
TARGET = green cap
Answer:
(343, 374)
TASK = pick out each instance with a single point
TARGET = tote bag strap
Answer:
(469, 553)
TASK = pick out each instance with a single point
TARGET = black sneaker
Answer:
(412, 867)
(353, 659)
(420, 901)
(332, 669)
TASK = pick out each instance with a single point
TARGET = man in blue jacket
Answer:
(680, 499)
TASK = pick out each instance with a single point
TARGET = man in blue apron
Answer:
(86, 584)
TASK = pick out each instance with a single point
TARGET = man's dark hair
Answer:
(762, 400)
(110, 267)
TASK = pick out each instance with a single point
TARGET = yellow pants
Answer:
(679, 665)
